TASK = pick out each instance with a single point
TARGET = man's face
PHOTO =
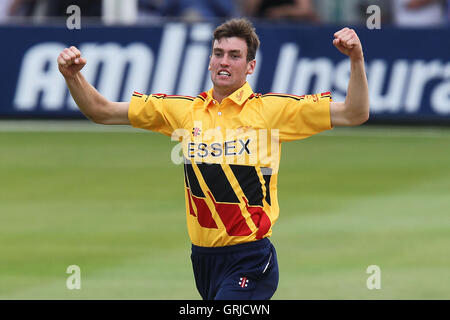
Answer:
(228, 64)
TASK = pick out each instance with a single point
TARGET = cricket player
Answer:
(231, 141)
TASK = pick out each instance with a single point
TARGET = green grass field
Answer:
(112, 202)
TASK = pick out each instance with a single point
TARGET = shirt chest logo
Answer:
(217, 149)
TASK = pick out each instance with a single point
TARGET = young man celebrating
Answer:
(230, 188)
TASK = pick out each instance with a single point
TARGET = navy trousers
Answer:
(247, 271)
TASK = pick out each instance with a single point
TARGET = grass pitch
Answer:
(109, 200)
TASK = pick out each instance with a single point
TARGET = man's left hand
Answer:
(346, 41)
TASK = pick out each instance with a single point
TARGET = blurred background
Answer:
(108, 198)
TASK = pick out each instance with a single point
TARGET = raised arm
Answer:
(93, 105)
(355, 110)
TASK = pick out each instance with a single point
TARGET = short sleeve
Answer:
(297, 117)
(157, 112)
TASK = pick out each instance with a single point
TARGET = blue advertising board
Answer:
(408, 70)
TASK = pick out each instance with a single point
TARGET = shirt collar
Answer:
(239, 96)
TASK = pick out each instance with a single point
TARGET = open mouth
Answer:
(224, 73)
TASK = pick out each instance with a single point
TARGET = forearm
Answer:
(357, 99)
(355, 109)
(90, 102)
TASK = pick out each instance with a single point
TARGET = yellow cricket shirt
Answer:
(231, 153)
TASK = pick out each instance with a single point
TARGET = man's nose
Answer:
(224, 61)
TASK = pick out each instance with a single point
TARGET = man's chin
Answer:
(223, 85)
(226, 86)
(223, 82)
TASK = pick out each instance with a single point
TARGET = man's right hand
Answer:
(70, 62)
(91, 103)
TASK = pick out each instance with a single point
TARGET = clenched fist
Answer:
(346, 41)
(70, 62)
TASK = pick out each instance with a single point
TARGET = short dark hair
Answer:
(240, 28)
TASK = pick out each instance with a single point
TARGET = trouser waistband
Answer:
(231, 249)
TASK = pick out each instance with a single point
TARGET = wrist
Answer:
(357, 59)
(72, 77)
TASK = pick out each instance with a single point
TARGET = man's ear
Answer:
(209, 64)
(251, 66)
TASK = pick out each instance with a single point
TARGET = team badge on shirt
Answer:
(243, 283)
(196, 132)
